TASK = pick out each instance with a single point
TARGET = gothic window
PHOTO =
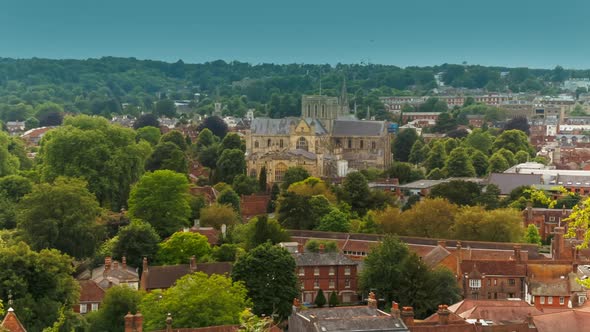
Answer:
(302, 143)
(280, 172)
(268, 143)
(256, 145)
(281, 143)
(362, 144)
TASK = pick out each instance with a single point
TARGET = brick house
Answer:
(112, 273)
(487, 279)
(91, 296)
(545, 219)
(163, 277)
(328, 271)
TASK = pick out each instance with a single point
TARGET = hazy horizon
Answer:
(534, 34)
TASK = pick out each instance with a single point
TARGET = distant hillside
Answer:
(101, 86)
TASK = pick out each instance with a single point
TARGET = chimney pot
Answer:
(138, 322)
(145, 264)
(395, 313)
(124, 262)
(129, 322)
(408, 316)
(300, 248)
(443, 314)
(322, 248)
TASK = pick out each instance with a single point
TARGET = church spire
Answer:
(344, 107)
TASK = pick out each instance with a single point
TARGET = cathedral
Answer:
(327, 140)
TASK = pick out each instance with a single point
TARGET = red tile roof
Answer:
(570, 321)
(11, 322)
(494, 268)
(90, 291)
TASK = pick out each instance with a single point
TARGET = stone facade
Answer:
(326, 140)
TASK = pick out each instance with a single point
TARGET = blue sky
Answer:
(539, 33)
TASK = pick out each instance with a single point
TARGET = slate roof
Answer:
(162, 277)
(494, 268)
(435, 256)
(268, 126)
(354, 319)
(343, 128)
(509, 181)
(324, 259)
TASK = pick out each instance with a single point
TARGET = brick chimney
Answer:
(138, 320)
(517, 253)
(395, 313)
(529, 211)
(558, 244)
(129, 322)
(296, 305)
(372, 301)
(408, 316)
(145, 264)
(443, 314)
(300, 248)
(193, 264)
(442, 243)
(322, 248)
(124, 262)
(107, 263)
(115, 265)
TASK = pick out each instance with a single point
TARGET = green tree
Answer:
(436, 174)
(480, 163)
(104, 155)
(41, 283)
(508, 155)
(314, 245)
(262, 181)
(229, 197)
(269, 275)
(404, 172)
(334, 300)
(196, 300)
(532, 235)
(181, 246)
(232, 141)
(261, 230)
(497, 164)
(500, 225)
(514, 141)
(216, 125)
(166, 107)
(320, 299)
(226, 252)
(135, 241)
(458, 164)
(436, 157)
(457, 192)
(117, 302)
(294, 174)
(61, 215)
(208, 155)
(49, 114)
(168, 156)
(31, 123)
(518, 123)
(521, 157)
(15, 186)
(205, 139)
(335, 221)
(245, 185)
(357, 191)
(146, 120)
(150, 134)
(176, 137)
(230, 164)
(161, 198)
(402, 144)
(217, 215)
(480, 140)
(417, 153)
(431, 217)
(9, 164)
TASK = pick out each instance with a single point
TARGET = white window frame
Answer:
(549, 299)
(542, 301)
(332, 284)
(561, 300)
(316, 271)
(94, 307)
(475, 283)
(316, 283)
(347, 270)
(332, 271)
(83, 308)
(346, 283)
(301, 271)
